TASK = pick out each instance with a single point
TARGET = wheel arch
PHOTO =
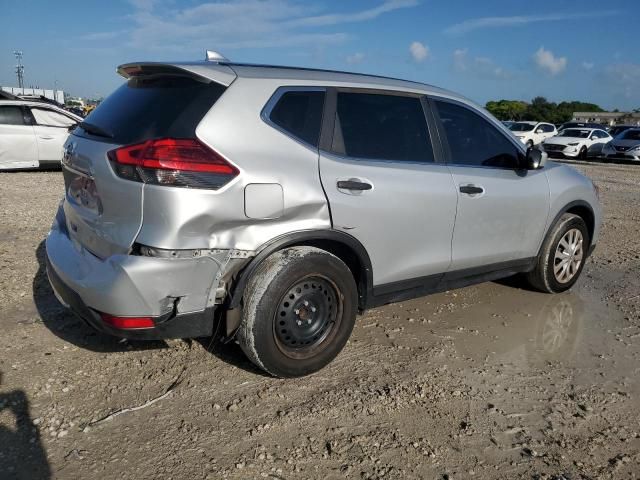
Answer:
(577, 207)
(342, 245)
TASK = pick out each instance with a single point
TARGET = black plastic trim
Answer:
(306, 237)
(418, 287)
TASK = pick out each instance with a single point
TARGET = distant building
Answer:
(55, 95)
(608, 118)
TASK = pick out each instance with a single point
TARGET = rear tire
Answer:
(562, 257)
(299, 310)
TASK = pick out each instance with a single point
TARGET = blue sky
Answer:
(491, 49)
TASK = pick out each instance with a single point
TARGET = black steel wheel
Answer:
(299, 310)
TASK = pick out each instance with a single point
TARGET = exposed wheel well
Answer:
(340, 244)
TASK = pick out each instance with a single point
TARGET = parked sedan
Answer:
(577, 143)
(32, 133)
(626, 146)
(533, 133)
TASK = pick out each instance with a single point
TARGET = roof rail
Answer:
(213, 56)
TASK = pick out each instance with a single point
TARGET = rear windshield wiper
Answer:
(95, 130)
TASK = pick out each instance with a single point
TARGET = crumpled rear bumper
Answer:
(175, 292)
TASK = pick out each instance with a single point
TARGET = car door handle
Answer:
(354, 185)
(46, 137)
(471, 189)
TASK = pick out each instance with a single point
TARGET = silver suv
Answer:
(281, 202)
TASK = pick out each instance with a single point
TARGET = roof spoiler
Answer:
(208, 70)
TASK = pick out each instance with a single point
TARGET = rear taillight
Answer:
(172, 162)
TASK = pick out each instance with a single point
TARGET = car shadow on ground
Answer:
(70, 328)
(22, 455)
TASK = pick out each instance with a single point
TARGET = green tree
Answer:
(507, 109)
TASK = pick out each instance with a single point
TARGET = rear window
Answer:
(381, 127)
(300, 114)
(154, 107)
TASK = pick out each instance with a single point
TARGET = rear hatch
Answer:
(103, 210)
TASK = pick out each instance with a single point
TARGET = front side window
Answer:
(11, 115)
(381, 127)
(547, 128)
(300, 114)
(473, 140)
(49, 118)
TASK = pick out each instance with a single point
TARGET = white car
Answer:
(32, 133)
(533, 133)
(577, 143)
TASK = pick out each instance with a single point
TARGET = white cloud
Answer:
(482, 67)
(419, 52)
(356, 58)
(369, 14)
(168, 26)
(496, 22)
(588, 65)
(546, 60)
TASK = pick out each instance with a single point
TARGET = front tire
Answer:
(562, 257)
(299, 310)
(583, 153)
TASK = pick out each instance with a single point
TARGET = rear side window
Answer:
(473, 140)
(49, 118)
(300, 114)
(154, 106)
(381, 127)
(11, 115)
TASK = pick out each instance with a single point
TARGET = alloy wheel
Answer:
(568, 256)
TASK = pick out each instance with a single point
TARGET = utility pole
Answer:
(19, 68)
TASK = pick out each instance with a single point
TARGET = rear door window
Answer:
(299, 113)
(154, 106)
(11, 115)
(381, 127)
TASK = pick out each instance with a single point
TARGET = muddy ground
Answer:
(490, 381)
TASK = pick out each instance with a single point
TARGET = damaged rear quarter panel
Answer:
(181, 218)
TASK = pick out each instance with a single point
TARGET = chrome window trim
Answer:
(265, 114)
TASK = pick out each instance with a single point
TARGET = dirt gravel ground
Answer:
(490, 381)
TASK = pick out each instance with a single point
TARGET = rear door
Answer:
(502, 209)
(51, 129)
(18, 148)
(384, 187)
(103, 209)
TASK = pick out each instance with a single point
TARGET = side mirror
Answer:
(535, 159)
(539, 130)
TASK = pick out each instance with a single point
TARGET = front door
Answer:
(502, 209)
(18, 148)
(383, 185)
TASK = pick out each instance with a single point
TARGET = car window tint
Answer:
(44, 116)
(300, 114)
(547, 128)
(154, 106)
(381, 127)
(11, 115)
(473, 140)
